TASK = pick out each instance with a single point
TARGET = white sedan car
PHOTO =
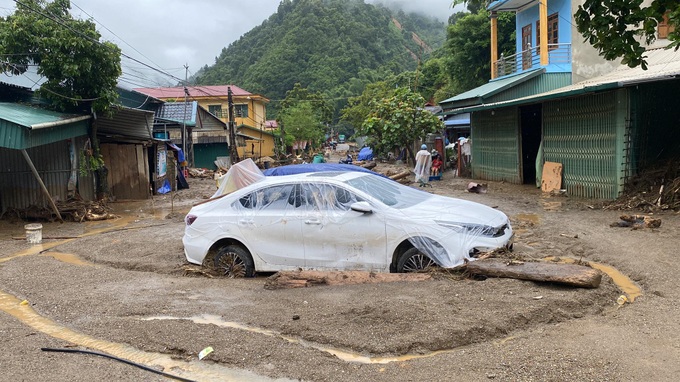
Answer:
(338, 221)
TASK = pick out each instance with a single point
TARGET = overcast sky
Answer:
(167, 34)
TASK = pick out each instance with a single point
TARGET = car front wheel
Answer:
(234, 261)
(414, 261)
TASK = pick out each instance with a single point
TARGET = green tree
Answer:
(80, 71)
(617, 27)
(302, 123)
(359, 108)
(469, 46)
(322, 109)
(399, 120)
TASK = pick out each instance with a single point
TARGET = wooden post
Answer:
(42, 185)
(494, 44)
(543, 22)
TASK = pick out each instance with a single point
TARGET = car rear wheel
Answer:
(234, 261)
(414, 261)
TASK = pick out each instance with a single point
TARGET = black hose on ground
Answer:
(120, 360)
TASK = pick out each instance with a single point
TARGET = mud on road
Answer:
(123, 287)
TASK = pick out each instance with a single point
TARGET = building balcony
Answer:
(559, 60)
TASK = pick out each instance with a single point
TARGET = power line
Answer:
(113, 33)
(61, 22)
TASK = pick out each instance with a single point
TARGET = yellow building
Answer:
(258, 143)
(250, 111)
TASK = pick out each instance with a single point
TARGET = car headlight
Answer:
(474, 229)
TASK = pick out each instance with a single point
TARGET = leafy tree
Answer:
(616, 27)
(473, 6)
(399, 120)
(302, 123)
(469, 46)
(359, 108)
(80, 70)
(322, 109)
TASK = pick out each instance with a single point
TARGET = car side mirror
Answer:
(362, 207)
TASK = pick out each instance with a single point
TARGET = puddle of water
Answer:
(343, 355)
(625, 284)
(67, 258)
(194, 369)
(35, 249)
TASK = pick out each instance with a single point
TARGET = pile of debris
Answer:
(652, 190)
(76, 210)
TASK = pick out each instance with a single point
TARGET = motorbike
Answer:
(347, 160)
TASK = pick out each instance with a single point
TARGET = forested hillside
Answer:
(332, 46)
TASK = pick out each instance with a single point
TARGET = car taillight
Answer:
(190, 219)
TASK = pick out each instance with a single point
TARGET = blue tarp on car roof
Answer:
(315, 167)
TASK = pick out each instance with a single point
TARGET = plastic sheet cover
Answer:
(241, 174)
(315, 167)
(447, 230)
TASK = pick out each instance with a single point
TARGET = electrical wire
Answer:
(110, 31)
(61, 22)
(143, 367)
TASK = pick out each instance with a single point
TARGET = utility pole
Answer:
(184, 117)
(233, 150)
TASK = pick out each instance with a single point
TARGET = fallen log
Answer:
(303, 279)
(569, 274)
(401, 175)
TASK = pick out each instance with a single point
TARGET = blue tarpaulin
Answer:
(315, 167)
(180, 153)
(365, 153)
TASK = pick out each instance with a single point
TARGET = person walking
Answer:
(423, 164)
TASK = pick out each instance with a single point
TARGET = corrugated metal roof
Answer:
(194, 91)
(127, 123)
(35, 117)
(662, 64)
(179, 111)
(477, 95)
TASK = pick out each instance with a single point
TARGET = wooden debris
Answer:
(73, 209)
(552, 177)
(568, 274)
(401, 175)
(653, 189)
(637, 222)
(303, 279)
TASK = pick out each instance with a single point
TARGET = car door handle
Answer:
(246, 222)
(313, 221)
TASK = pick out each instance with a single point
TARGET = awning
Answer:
(458, 121)
(662, 65)
(509, 5)
(25, 126)
(480, 94)
(249, 137)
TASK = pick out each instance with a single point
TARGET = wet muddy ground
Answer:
(123, 287)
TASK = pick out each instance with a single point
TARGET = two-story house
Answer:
(249, 112)
(557, 100)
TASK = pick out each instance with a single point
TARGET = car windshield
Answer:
(388, 191)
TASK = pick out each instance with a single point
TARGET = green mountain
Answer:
(332, 46)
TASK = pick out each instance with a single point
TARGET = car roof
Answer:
(340, 176)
